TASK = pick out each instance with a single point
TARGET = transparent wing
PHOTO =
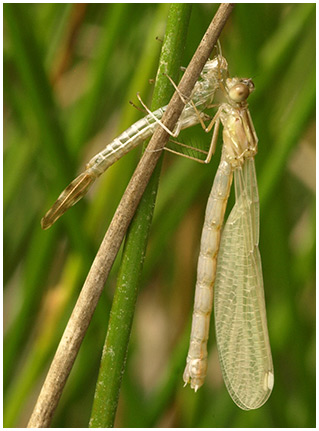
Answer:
(240, 314)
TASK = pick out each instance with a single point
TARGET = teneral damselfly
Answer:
(229, 267)
(229, 260)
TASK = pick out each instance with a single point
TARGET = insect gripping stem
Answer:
(229, 265)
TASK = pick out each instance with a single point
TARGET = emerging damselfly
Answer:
(229, 266)
(229, 261)
(193, 113)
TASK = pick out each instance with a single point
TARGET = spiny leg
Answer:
(215, 121)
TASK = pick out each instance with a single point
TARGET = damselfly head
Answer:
(239, 89)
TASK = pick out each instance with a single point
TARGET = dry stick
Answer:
(84, 308)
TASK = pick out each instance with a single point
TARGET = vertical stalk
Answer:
(91, 291)
(117, 338)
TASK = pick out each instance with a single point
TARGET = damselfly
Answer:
(193, 113)
(229, 261)
(229, 266)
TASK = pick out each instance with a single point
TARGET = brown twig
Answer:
(81, 316)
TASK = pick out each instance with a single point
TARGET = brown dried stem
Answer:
(84, 308)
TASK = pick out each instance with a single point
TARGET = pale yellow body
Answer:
(229, 266)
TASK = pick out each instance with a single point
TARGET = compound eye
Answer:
(239, 92)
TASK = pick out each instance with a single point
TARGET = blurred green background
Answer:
(69, 72)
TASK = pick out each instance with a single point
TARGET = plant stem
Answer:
(81, 316)
(121, 317)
